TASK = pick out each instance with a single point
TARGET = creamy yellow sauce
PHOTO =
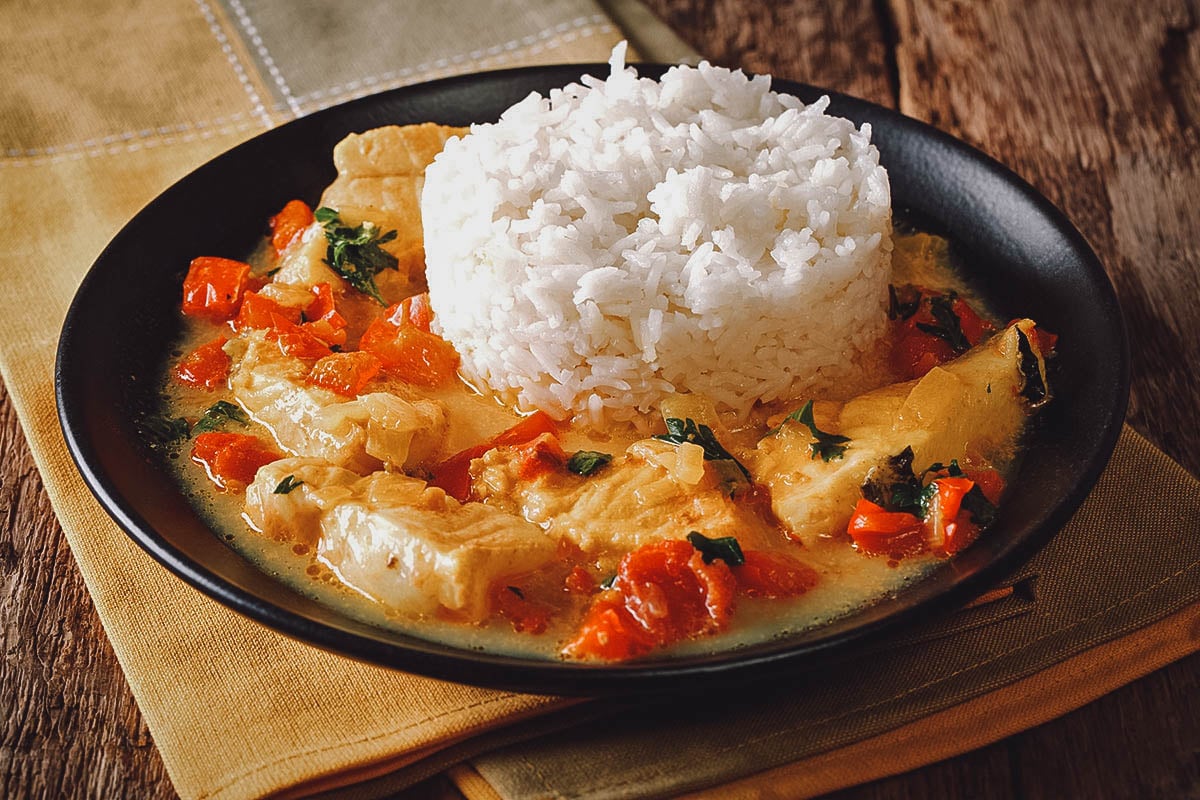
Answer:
(849, 580)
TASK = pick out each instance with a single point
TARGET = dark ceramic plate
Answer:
(1013, 245)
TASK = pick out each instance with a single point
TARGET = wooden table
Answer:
(1097, 104)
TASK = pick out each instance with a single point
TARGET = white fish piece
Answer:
(969, 409)
(364, 434)
(396, 539)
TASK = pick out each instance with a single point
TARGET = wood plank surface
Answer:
(1095, 103)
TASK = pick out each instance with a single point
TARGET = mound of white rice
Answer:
(625, 239)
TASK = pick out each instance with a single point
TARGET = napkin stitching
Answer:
(912, 690)
(498, 54)
(373, 737)
(252, 31)
(199, 133)
(165, 135)
(231, 56)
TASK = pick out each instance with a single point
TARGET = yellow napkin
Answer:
(104, 110)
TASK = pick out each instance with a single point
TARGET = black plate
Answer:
(1015, 247)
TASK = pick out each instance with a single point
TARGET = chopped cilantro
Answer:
(585, 462)
(355, 253)
(734, 476)
(827, 445)
(902, 308)
(165, 430)
(608, 582)
(952, 470)
(287, 485)
(894, 486)
(219, 413)
(948, 328)
(980, 508)
(725, 548)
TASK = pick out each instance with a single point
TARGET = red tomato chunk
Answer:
(453, 475)
(206, 367)
(291, 220)
(213, 287)
(231, 459)
(345, 373)
(663, 593)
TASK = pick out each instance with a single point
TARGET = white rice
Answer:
(626, 239)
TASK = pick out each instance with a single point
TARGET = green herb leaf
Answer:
(686, 430)
(515, 590)
(585, 462)
(902, 308)
(952, 469)
(1033, 387)
(165, 430)
(608, 582)
(219, 413)
(894, 486)
(827, 445)
(355, 253)
(734, 476)
(287, 485)
(725, 548)
(975, 502)
(948, 327)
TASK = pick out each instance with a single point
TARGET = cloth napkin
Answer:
(104, 110)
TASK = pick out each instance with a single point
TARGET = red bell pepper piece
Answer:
(344, 373)
(206, 367)
(453, 475)
(876, 530)
(213, 287)
(231, 459)
(293, 218)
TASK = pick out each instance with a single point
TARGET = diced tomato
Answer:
(293, 218)
(344, 373)
(609, 632)
(415, 310)
(258, 311)
(206, 367)
(974, 327)
(989, 482)
(411, 354)
(878, 531)
(915, 351)
(1045, 341)
(959, 534)
(540, 456)
(453, 475)
(231, 459)
(579, 581)
(942, 519)
(666, 593)
(322, 305)
(213, 287)
(526, 616)
(766, 574)
(326, 331)
(296, 340)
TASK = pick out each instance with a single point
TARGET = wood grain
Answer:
(1096, 103)
(70, 725)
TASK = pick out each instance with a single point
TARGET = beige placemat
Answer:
(102, 111)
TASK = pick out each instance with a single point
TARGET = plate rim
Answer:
(563, 677)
